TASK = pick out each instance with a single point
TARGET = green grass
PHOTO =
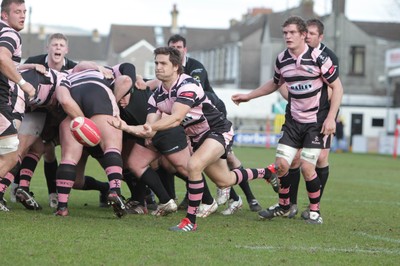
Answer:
(360, 208)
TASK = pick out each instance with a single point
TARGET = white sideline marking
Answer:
(380, 237)
(329, 250)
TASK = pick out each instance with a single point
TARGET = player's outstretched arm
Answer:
(265, 89)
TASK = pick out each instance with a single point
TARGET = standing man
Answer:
(315, 35)
(12, 21)
(310, 115)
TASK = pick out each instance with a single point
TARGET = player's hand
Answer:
(140, 83)
(29, 90)
(107, 73)
(239, 98)
(147, 132)
(328, 127)
(118, 123)
(40, 68)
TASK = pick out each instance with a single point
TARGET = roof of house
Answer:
(384, 30)
(81, 47)
(124, 36)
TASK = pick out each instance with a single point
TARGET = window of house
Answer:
(357, 64)
(377, 122)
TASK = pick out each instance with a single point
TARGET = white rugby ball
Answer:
(85, 131)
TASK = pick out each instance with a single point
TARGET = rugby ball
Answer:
(85, 131)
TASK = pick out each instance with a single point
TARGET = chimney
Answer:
(233, 22)
(260, 10)
(96, 36)
(338, 6)
(41, 33)
(307, 9)
(174, 24)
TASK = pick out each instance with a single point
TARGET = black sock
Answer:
(294, 179)
(130, 180)
(184, 178)
(50, 171)
(323, 174)
(168, 180)
(139, 192)
(151, 179)
(313, 186)
(207, 197)
(195, 189)
(245, 186)
(284, 192)
(233, 195)
(17, 178)
(93, 184)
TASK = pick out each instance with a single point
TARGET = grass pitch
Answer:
(360, 208)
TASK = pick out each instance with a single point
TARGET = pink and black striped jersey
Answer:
(203, 115)
(45, 85)
(11, 40)
(306, 78)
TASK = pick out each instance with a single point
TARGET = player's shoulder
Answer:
(193, 63)
(37, 59)
(69, 63)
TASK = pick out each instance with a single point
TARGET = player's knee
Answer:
(286, 153)
(282, 166)
(194, 167)
(323, 160)
(310, 155)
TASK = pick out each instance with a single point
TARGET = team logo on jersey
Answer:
(301, 87)
(187, 94)
(197, 78)
(322, 58)
(331, 70)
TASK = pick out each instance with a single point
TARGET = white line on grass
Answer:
(392, 240)
(328, 250)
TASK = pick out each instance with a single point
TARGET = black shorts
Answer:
(300, 135)
(218, 136)
(93, 99)
(170, 140)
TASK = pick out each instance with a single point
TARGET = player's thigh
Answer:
(220, 174)
(179, 160)
(111, 137)
(208, 152)
(140, 158)
(71, 150)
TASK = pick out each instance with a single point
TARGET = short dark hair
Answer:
(5, 4)
(176, 38)
(174, 56)
(317, 23)
(298, 21)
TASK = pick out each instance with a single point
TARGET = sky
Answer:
(94, 14)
